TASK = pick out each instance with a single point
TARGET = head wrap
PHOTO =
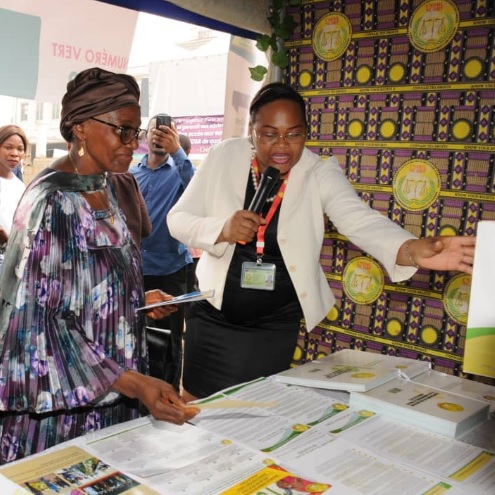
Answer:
(93, 92)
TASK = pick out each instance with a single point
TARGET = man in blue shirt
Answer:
(163, 174)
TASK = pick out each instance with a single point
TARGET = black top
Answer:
(246, 306)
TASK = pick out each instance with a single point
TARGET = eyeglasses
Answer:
(127, 134)
(273, 137)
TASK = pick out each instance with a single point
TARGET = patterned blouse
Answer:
(69, 290)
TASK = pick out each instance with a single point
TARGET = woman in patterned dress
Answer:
(72, 344)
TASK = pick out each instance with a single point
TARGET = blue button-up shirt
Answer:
(161, 188)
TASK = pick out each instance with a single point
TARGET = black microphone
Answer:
(267, 182)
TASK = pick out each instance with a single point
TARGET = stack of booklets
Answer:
(423, 406)
(351, 370)
(459, 386)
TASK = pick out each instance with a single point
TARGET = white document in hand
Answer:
(184, 298)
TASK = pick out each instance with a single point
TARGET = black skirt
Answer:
(219, 354)
(254, 334)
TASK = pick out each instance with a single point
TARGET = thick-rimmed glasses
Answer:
(273, 137)
(127, 134)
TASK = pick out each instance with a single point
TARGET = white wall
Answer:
(194, 86)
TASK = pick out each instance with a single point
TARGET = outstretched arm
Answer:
(439, 253)
(159, 397)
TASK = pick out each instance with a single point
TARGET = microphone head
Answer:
(271, 173)
(268, 180)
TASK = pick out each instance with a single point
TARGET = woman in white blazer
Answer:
(265, 282)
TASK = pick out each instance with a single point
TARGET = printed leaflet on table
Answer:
(350, 369)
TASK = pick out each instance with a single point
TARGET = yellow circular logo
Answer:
(388, 128)
(300, 427)
(447, 230)
(366, 414)
(473, 68)
(397, 72)
(298, 354)
(363, 280)
(305, 78)
(333, 314)
(433, 25)
(355, 128)
(462, 129)
(363, 74)
(450, 406)
(331, 36)
(394, 327)
(363, 375)
(416, 184)
(456, 298)
(429, 334)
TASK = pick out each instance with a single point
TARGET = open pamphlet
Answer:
(350, 370)
(72, 471)
(184, 298)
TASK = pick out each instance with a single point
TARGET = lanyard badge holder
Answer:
(258, 275)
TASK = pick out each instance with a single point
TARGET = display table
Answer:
(312, 434)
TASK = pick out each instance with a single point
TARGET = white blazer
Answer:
(315, 186)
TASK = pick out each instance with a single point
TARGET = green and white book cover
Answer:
(479, 351)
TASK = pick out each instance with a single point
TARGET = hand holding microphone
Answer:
(268, 181)
(243, 224)
(267, 184)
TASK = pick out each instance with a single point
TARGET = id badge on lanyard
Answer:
(258, 275)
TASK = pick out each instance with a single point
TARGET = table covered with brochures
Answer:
(273, 438)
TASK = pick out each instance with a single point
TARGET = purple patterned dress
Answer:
(69, 289)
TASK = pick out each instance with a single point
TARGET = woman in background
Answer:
(73, 355)
(13, 146)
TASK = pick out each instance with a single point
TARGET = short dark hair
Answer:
(185, 143)
(154, 117)
(273, 92)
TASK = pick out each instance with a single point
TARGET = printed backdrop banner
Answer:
(402, 93)
(44, 44)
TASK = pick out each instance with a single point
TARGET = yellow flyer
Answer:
(71, 471)
(479, 352)
(279, 482)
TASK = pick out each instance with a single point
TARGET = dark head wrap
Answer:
(93, 92)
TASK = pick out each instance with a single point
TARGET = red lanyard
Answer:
(260, 244)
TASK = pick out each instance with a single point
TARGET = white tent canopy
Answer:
(244, 18)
